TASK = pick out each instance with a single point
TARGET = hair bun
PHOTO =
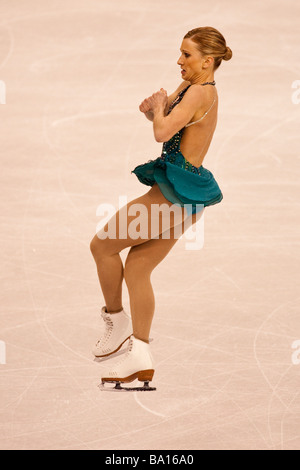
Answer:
(228, 54)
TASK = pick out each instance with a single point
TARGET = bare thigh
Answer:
(146, 256)
(142, 215)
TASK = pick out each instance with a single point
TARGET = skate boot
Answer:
(136, 364)
(118, 328)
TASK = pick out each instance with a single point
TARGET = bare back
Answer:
(196, 138)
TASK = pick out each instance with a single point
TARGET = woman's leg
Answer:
(106, 251)
(140, 262)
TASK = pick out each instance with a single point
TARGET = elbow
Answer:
(160, 137)
(161, 131)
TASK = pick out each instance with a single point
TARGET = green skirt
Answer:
(180, 182)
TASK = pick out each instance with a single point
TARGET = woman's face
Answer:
(190, 60)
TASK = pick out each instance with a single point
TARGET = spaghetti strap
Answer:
(202, 117)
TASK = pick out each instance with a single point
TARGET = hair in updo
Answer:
(210, 42)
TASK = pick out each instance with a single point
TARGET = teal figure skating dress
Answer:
(180, 182)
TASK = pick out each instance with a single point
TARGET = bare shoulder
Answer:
(184, 84)
(198, 96)
(195, 91)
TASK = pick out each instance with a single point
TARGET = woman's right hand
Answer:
(160, 98)
(145, 106)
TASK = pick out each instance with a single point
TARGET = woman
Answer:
(185, 122)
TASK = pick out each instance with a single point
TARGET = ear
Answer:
(208, 62)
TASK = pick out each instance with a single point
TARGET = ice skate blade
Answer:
(118, 388)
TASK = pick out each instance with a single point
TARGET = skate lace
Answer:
(128, 351)
(108, 328)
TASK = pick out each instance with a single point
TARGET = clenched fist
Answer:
(156, 100)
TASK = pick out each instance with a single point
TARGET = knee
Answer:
(97, 247)
(137, 269)
(93, 246)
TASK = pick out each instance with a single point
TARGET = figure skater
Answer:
(185, 123)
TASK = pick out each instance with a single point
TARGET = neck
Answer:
(202, 78)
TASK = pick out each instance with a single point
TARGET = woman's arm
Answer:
(165, 127)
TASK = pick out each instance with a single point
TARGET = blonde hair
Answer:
(210, 42)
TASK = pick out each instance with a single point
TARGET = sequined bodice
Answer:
(171, 149)
(174, 143)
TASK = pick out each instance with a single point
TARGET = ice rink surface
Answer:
(226, 332)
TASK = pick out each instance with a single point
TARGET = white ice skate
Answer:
(136, 364)
(118, 329)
